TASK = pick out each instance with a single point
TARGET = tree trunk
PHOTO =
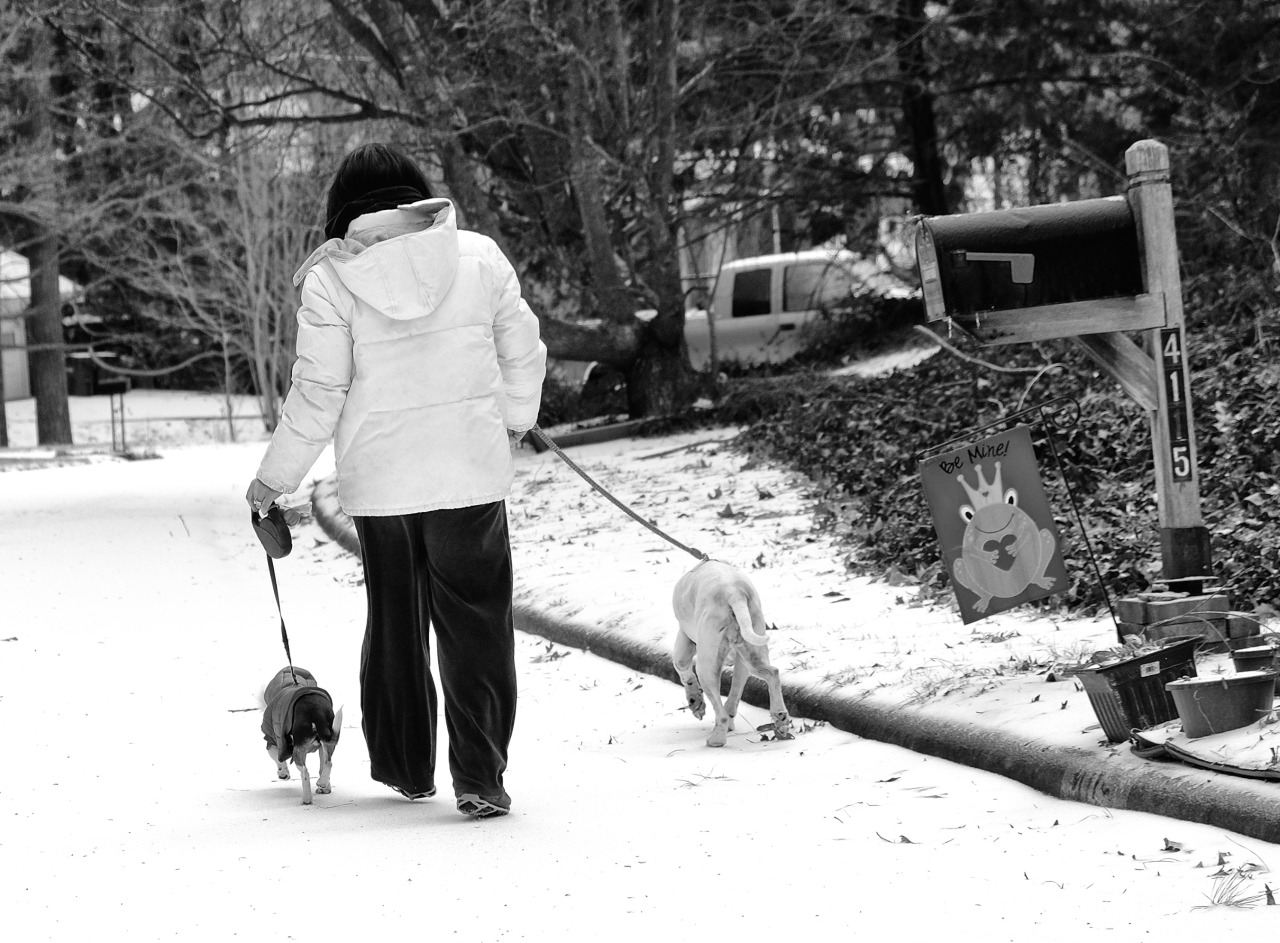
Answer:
(4, 419)
(661, 382)
(48, 360)
(611, 294)
(616, 345)
(472, 204)
(928, 190)
(613, 299)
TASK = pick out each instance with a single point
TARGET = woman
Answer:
(419, 359)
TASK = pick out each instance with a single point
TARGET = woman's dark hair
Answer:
(372, 177)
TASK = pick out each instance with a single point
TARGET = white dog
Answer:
(719, 614)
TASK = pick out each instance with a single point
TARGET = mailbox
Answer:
(1092, 271)
(112, 386)
(1028, 258)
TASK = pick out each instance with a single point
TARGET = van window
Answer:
(751, 290)
(810, 285)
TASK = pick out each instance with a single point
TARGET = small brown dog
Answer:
(298, 720)
(719, 614)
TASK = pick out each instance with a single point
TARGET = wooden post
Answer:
(1184, 541)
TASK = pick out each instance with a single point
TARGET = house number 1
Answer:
(1176, 411)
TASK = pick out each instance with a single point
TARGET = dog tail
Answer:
(742, 615)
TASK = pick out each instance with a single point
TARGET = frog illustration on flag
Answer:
(1003, 551)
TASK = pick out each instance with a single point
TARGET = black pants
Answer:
(449, 570)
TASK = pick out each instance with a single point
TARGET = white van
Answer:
(759, 306)
(760, 303)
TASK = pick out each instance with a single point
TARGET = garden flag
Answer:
(999, 542)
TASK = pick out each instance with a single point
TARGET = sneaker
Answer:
(414, 795)
(481, 807)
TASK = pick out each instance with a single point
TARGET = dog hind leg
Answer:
(762, 667)
(709, 674)
(781, 719)
(682, 659)
(301, 763)
(326, 755)
(326, 765)
(741, 671)
(282, 771)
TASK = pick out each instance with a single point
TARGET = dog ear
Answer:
(337, 728)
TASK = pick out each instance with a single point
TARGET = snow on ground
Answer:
(830, 628)
(137, 629)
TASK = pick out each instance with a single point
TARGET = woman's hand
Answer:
(260, 497)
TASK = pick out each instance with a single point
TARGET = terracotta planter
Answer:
(1258, 658)
(1213, 705)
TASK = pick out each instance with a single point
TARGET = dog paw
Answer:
(282, 774)
(719, 736)
(324, 788)
(698, 708)
(782, 728)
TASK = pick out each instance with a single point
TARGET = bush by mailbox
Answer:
(1028, 258)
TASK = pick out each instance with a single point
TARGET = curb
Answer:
(590, 435)
(1169, 789)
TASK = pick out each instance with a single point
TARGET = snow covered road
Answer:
(137, 629)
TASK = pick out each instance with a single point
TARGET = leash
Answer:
(284, 633)
(273, 533)
(547, 441)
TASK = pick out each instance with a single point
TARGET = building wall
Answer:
(17, 376)
(15, 273)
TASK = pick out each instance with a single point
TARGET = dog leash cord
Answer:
(549, 443)
(284, 635)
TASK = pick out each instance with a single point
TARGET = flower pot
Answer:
(1212, 705)
(1130, 695)
(1258, 658)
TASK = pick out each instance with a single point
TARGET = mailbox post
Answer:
(1184, 541)
(1090, 271)
(115, 386)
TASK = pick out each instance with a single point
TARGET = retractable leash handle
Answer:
(273, 534)
(547, 441)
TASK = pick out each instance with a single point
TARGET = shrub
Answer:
(860, 439)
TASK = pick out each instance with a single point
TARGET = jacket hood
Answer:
(401, 261)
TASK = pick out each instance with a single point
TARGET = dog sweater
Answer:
(282, 696)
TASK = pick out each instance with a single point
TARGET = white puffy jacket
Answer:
(415, 354)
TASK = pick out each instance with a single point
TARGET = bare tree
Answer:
(574, 133)
(217, 262)
(423, 66)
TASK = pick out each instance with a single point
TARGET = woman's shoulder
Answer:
(495, 267)
(476, 243)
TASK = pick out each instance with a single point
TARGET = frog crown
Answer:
(987, 492)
